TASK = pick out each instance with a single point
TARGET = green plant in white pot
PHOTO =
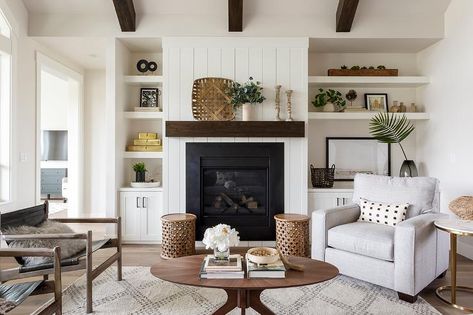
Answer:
(329, 101)
(247, 95)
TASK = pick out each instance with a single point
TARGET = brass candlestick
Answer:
(289, 105)
(278, 102)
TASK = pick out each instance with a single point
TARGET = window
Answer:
(5, 110)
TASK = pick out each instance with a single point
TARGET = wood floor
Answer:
(147, 255)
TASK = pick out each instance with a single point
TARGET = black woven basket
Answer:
(322, 177)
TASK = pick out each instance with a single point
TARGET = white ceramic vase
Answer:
(329, 107)
(248, 112)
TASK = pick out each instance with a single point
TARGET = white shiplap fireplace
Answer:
(271, 61)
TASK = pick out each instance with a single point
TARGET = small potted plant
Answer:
(246, 95)
(140, 171)
(220, 238)
(329, 100)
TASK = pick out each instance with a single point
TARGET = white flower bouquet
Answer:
(220, 238)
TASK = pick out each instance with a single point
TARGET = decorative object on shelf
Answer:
(394, 108)
(140, 172)
(144, 66)
(220, 238)
(322, 177)
(351, 96)
(246, 95)
(364, 71)
(147, 109)
(150, 184)
(210, 100)
(388, 128)
(292, 234)
(146, 142)
(262, 255)
(149, 97)
(462, 207)
(372, 157)
(376, 102)
(289, 105)
(277, 101)
(413, 108)
(330, 100)
(178, 235)
(402, 108)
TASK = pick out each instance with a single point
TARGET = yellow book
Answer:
(145, 148)
(147, 142)
(147, 135)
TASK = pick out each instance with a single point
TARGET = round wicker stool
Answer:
(178, 235)
(292, 234)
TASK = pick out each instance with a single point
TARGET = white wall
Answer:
(445, 147)
(54, 102)
(95, 160)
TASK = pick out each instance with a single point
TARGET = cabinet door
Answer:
(345, 199)
(130, 204)
(319, 201)
(151, 216)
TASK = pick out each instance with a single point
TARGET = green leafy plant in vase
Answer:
(246, 95)
(329, 100)
(140, 172)
(390, 128)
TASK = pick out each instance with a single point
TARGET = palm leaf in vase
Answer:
(391, 128)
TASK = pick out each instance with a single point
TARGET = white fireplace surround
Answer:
(271, 61)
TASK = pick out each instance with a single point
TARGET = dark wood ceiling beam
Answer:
(126, 14)
(345, 14)
(235, 15)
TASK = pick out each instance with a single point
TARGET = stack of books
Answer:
(273, 270)
(146, 142)
(222, 269)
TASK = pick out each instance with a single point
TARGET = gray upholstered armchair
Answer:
(404, 258)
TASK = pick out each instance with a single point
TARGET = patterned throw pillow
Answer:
(382, 213)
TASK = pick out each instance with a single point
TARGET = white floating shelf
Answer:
(335, 81)
(142, 155)
(362, 115)
(143, 115)
(143, 79)
(141, 189)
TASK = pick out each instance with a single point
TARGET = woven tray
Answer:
(210, 100)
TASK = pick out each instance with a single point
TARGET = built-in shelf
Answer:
(142, 155)
(141, 189)
(338, 187)
(143, 79)
(401, 81)
(362, 115)
(282, 129)
(143, 115)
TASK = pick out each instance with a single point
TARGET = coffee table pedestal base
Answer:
(243, 299)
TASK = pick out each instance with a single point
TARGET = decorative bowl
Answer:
(263, 255)
(145, 184)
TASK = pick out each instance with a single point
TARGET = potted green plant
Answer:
(329, 100)
(246, 95)
(140, 172)
(389, 128)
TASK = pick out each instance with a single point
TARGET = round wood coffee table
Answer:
(242, 293)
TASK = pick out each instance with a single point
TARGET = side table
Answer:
(454, 228)
(178, 235)
(292, 234)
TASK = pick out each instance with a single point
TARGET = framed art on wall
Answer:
(357, 155)
(376, 102)
(149, 97)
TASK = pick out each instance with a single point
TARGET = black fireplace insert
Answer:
(240, 184)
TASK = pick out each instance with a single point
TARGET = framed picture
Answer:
(376, 102)
(149, 97)
(357, 155)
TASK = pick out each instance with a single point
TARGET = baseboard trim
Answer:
(465, 249)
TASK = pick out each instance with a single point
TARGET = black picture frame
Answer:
(368, 107)
(149, 97)
(329, 161)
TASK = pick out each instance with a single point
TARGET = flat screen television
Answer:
(54, 145)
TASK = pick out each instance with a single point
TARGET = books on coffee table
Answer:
(222, 269)
(274, 270)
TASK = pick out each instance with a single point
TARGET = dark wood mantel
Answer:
(280, 129)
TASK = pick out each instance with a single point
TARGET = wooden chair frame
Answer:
(86, 264)
(48, 286)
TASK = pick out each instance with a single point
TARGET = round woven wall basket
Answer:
(210, 100)
(463, 207)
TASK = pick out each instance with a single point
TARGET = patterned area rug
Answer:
(142, 293)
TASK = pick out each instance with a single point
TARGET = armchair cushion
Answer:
(68, 247)
(368, 239)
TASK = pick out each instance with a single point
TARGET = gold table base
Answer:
(458, 288)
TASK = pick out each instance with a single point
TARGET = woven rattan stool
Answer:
(178, 235)
(292, 234)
